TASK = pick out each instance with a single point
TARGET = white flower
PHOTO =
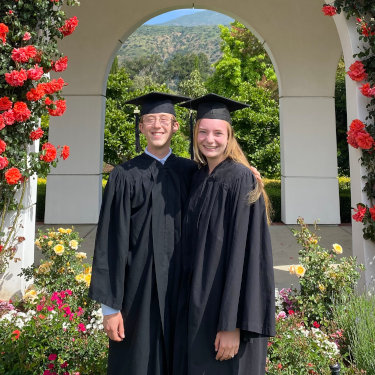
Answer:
(100, 326)
(88, 326)
(92, 320)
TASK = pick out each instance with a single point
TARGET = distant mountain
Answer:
(167, 40)
(165, 17)
(207, 17)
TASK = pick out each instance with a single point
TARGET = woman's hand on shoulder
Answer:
(227, 344)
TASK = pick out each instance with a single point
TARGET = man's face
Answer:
(158, 129)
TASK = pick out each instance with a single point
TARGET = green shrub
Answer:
(355, 316)
(41, 199)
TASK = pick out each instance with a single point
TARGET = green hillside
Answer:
(207, 17)
(165, 41)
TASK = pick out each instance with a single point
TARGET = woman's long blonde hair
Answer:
(233, 151)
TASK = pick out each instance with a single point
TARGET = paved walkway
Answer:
(284, 245)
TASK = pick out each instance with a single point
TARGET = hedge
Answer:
(272, 187)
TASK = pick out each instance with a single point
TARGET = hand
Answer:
(227, 344)
(257, 175)
(114, 326)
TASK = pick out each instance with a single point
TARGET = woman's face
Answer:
(212, 138)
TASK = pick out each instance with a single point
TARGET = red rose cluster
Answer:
(65, 152)
(3, 32)
(367, 90)
(360, 213)
(60, 107)
(366, 31)
(48, 153)
(23, 54)
(45, 88)
(36, 73)
(60, 65)
(357, 71)
(20, 112)
(359, 137)
(69, 26)
(36, 134)
(329, 10)
(16, 78)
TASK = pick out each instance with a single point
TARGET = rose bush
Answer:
(29, 32)
(55, 328)
(361, 135)
(322, 275)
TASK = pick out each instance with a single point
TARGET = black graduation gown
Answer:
(228, 280)
(137, 264)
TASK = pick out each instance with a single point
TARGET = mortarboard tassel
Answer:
(191, 136)
(137, 140)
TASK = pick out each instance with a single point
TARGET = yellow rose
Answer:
(30, 295)
(68, 264)
(61, 270)
(86, 271)
(81, 256)
(300, 270)
(62, 230)
(292, 270)
(337, 248)
(52, 234)
(87, 279)
(59, 249)
(61, 242)
(50, 243)
(321, 287)
(37, 243)
(80, 277)
(68, 231)
(44, 268)
(73, 244)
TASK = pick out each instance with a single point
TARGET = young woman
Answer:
(226, 304)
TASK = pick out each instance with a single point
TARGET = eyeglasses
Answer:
(151, 120)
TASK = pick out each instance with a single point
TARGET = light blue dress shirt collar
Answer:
(155, 157)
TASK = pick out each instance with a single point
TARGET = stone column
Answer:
(74, 188)
(308, 160)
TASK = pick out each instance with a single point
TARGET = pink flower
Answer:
(39, 307)
(52, 357)
(51, 308)
(36, 73)
(281, 314)
(81, 327)
(3, 162)
(26, 36)
(9, 117)
(73, 339)
(46, 372)
(65, 364)
(69, 292)
(359, 213)
(51, 365)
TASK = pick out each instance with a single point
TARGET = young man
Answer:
(137, 269)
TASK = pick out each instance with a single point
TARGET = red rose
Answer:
(53, 86)
(60, 108)
(30, 51)
(3, 162)
(329, 10)
(20, 55)
(61, 65)
(291, 312)
(15, 78)
(5, 103)
(16, 333)
(351, 140)
(366, 90)
(372, 212)
(36, 73)
(69, 26)
(359, 213)
(13, 175)
(356, 126)
(2, 123)
(3, 31)
(3, 146)
(35, 94)
(357, 71)
(36, 134)
(366, 31)
(26, 36)
(21, 111)
(48, 101)
(364, 140)
(65, 152)
(316, 324)
(9, 117)
(49, 153)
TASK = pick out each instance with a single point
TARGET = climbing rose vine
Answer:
(29, 31)
(361, 135)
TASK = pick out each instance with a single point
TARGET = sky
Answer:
(171, 15)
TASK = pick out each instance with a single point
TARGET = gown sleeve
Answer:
(112, 242)
(248, 300)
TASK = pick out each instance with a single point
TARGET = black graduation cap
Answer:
(154, 102)
(212, 106)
